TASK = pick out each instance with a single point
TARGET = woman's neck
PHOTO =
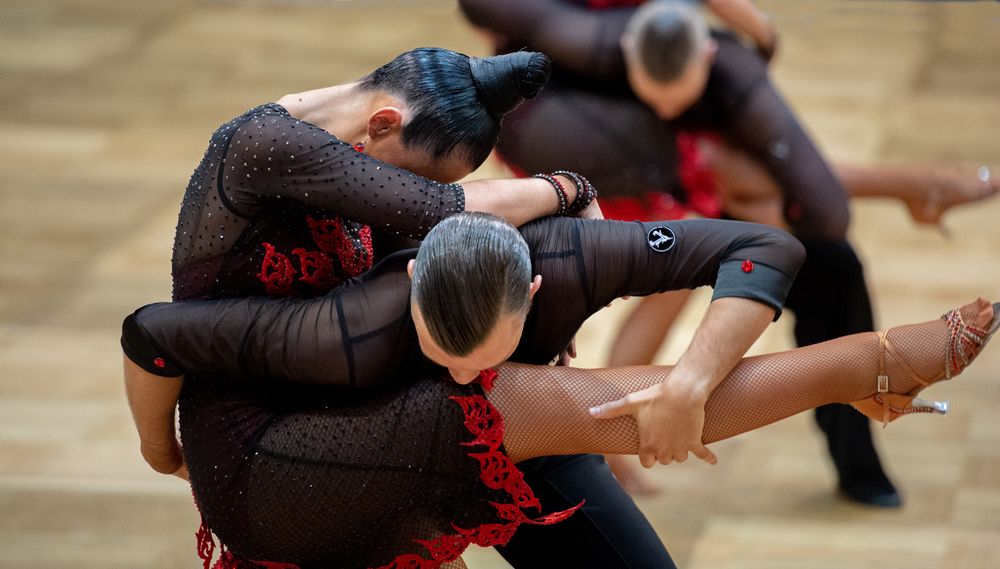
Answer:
(341, 110)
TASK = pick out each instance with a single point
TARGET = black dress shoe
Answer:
(859, 470)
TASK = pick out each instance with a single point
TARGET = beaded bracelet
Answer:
(560, 192)
(585, 191)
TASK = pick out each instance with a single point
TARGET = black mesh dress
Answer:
(280, 206)
(317, 434)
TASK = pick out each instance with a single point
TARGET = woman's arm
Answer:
(306, 164)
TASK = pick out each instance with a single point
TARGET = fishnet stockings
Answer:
(546, 408)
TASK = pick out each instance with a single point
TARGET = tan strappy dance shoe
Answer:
(965, 343)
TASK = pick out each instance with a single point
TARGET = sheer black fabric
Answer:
(361, 335)
(268, 177)
(323, 480)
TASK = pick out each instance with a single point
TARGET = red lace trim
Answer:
(276, 272)
(351, 245)
(227, 559)
(497, 472)
(317, 268)
(332, 237)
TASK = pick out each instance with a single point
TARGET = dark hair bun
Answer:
(504, 81)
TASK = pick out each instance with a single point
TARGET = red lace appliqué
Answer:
(353, 247)
(497, 472)
(316, 267)
(227, 559)
(276, 272)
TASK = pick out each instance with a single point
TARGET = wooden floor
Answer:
(107, 108)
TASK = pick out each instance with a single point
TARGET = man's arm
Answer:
(153, 401)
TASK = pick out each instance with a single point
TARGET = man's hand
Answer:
(670, 418)
(165, 457)
(153, 402)
(671, 415)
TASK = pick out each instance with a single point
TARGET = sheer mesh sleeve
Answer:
(344, 338)
(277, 157)
(576, 38)
(586, 264)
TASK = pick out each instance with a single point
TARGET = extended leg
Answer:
(546, 409)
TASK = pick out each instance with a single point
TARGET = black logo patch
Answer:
(661, 239)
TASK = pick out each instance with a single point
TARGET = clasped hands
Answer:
(670, 417)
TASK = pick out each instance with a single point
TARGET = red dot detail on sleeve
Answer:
(747, 266)
(158, 362)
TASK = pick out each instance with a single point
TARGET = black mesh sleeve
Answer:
(343, 338)
(586, 264)
(581, 40)
(273, 158)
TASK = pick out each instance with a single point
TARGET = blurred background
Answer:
(108, 106)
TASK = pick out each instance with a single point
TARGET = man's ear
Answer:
(536, 284)
(384, 121)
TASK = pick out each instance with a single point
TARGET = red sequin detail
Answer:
(316, 268)
(497, 472)
(333, 238)
(747, 266)
(486, 378)
(158, 362)
(276, 272)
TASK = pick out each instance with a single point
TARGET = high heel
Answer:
(964, 344)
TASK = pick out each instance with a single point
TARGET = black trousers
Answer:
(608, 532)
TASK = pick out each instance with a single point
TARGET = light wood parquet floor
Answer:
(107, 107)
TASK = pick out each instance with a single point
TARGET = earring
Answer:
(360, 146)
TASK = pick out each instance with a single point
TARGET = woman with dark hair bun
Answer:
(294, 197)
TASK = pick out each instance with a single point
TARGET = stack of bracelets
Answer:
(585, 191)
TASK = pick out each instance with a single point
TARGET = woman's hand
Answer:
(670, 417)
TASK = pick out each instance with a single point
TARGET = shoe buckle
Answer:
(883, 383)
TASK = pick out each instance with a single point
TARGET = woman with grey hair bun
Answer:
(413, 470)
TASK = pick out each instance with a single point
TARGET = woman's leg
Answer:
(750, 193)
(759, 391)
